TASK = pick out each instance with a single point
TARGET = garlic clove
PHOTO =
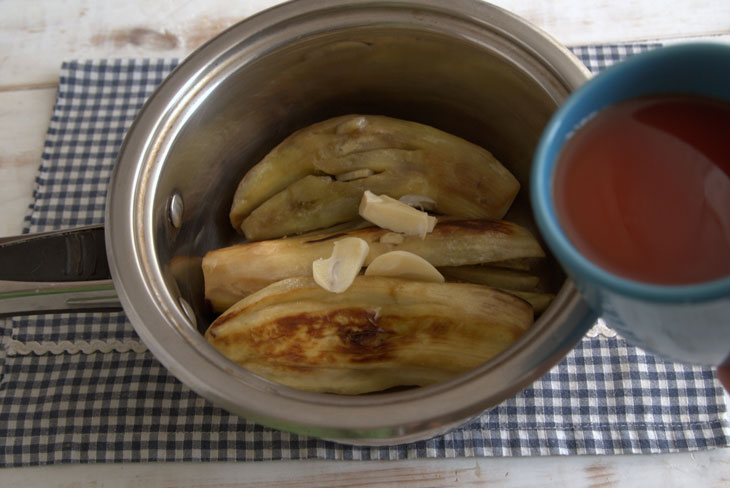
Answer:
(389, 213)
(404, 264)
(337, 272)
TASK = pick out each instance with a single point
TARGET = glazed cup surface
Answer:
(688, 323)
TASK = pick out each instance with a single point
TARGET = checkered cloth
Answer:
(82, 388)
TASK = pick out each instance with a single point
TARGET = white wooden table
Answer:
(36, 35)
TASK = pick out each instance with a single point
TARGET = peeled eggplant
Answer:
(380, 333)
(234, 272)
(295, 188)
(539, 301)
(492, 276)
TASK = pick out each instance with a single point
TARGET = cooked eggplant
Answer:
(539, 301)
(295, 188)
(379, 333)
(495, 276)
(234, 272)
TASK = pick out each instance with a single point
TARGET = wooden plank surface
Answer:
(24, 117)
(36, 36)
(708, 469)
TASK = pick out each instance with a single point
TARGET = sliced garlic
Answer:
(389, 213)
(337, 272)
(419, 201)
(404, 264)
(355, 174)
(391, 238)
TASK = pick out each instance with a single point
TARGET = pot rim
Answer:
(163, 325)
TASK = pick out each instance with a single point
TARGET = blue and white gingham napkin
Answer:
(82, 387)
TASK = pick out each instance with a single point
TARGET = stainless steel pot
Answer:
(463, 66)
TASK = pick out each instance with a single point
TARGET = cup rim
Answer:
(559, 128)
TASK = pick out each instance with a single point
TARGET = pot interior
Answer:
(486, 92)
(464, 67)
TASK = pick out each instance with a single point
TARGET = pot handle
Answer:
(58, 271)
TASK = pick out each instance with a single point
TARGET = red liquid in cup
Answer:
(643, 189)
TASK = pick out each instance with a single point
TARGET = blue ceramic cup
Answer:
(688, 323)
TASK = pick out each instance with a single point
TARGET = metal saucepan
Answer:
(463, 66)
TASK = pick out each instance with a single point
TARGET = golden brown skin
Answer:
(234, 272)
(294, 189)
(380, 333)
